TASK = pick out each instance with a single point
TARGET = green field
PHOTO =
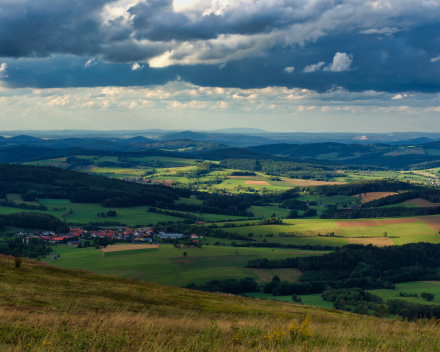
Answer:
(406, 287)
(169, 266)
(415, 228)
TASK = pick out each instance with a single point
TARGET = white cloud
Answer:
(341, 62)
(385, 30)
(90, 63)
(435, 59)
(3, 70)
(437, 109)
(136, 67)
(314, 67)
(289, 69)
(398, 96)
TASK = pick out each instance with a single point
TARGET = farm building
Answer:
(171, 235)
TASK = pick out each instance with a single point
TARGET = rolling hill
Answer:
(44, 308)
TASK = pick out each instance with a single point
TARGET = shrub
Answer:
(18, 261)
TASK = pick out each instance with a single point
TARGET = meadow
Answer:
(43, 308)
(414, 287)
(169, 266)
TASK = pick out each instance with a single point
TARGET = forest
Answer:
(365, 267)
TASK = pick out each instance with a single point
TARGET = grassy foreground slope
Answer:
(43, 308)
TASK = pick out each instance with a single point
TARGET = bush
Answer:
(18, 261)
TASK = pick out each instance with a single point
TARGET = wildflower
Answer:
(293, 330)
(305, 330)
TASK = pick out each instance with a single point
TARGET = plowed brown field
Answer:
(396, 221)
(423, 203)
(365, 223)
(256, 183)
(373, 196)
(300, 182)
(433, 221)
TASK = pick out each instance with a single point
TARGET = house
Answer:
(194, 236)
(58, 239)
(72, 243)
(128, 232)
(46, 238)
(200, 223)
(195, 241)
(193, 197)
(170, 235)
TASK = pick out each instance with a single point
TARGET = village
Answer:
(78, 236)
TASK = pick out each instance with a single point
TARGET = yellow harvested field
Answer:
(256, 183)
(423, 203)
(373, 196)
(128, 247)
(300, 182)
(375, 241)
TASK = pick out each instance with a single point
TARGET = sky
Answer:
(277, 65)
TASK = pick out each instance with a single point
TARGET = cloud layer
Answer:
(385, 45)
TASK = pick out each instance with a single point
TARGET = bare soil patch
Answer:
(300, 182)
(128, 247)
(396, 221)
(432, 282)
(433, 221)
(256, 183)
(375, 241)
(373, 196)
(423, 203)
(365, 223)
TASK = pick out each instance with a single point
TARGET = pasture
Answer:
(167, 265)
(318, 231)
(414, 287)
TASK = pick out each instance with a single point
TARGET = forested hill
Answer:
(51, 182)
(22, 153)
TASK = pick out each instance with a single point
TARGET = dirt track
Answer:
(128, 247)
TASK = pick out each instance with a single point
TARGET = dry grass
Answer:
(43, 308)
(373, 196)
(375, 241)
(128, 247)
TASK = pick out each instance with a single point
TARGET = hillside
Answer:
(44, 308)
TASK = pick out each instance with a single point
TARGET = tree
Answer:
(276, 278)
(111, 213)
(427, 296)
(184, 254)
(385, 234)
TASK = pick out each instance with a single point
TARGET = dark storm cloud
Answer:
(393, 45)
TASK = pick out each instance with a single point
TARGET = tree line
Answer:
(366, 267)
